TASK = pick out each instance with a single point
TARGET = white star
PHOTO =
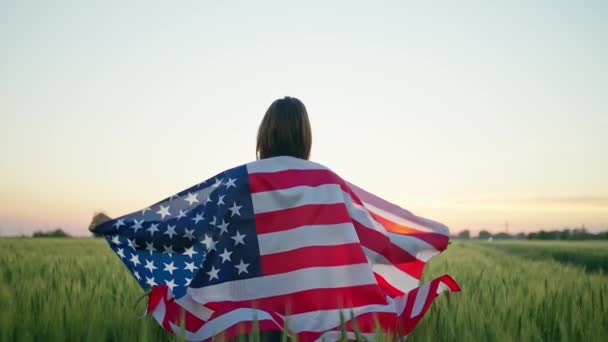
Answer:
(168, 250)
(170, 283)
(135, 259)
(150, 281)
(220, 199)
(189, 234)
(235, 209)
(213, 222)
(136, 274)
(143, 211)
(208, 199)
(137, 225)
(225, 256)
(150, 266)
(209, 243)
(181, 214)
(150, 247)
(213, 273)
(121, 253)
(230, 183)
(115, 240)
(238, 238)
(153, 228)
(190, 251)
(242, 267)
(188, 281)
(120, 222)
(190, 266)
(192, 198)
(223, 227)
(132, 244)
(170, 231)
(172, 198)
(217, 183)
(169, 267)
(163, 211)
(198, 218)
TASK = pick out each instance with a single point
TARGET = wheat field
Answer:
(76, 289)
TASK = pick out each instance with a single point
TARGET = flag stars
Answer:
(190, 252)
(150, 247)
(132, 244)
(136, 274)
(119, 223)
(150, 265)
(214, 221)
(217, 183)
(135, 259)
(191, 198)
(235, 209)
(168, 250)
(170, 267)
(115, 240)
(181, 214)
(189, 234)
(150, 281)
(152, 229)
(225, 256)
(170, 231)
(163, 211)
(209, 243)
(190, 267)
(220, 200)
(198, 218)
(238, 238)
(230, 183)
(213, 274)
(188, 281)
(121, 253)
(223, 227)
(170, 283)
(242, 267)
(137, 225)
(143, 211)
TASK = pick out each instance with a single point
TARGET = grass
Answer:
(75, 289)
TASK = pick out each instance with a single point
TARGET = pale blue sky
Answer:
(470, 113)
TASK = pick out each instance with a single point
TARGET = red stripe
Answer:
(310, 300)
(313, 256)
(386, 287)
(438, 241)
(381, 244)
(276, 221)
(270, 181)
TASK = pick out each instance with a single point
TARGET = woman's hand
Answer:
(98, 219)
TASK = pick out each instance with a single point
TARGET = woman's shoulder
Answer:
(284, 163)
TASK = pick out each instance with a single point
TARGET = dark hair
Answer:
(284, 130)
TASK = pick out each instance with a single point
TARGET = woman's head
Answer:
(285, 130)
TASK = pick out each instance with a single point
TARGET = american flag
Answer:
(283, 243)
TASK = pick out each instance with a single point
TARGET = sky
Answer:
(473, 114)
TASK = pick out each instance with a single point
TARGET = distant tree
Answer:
(465, 234)
(484, 234)
(503, 236)
(57, 233)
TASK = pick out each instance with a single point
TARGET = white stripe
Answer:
(159, 312)
(281, 164)
(223, 322)
(194, 307)
(394, 276)
(421, 297)
(307, 236)
(402, 220)
(296, 197)
(360, 214)
(285, 283)
(321, 320)
(413, 245)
